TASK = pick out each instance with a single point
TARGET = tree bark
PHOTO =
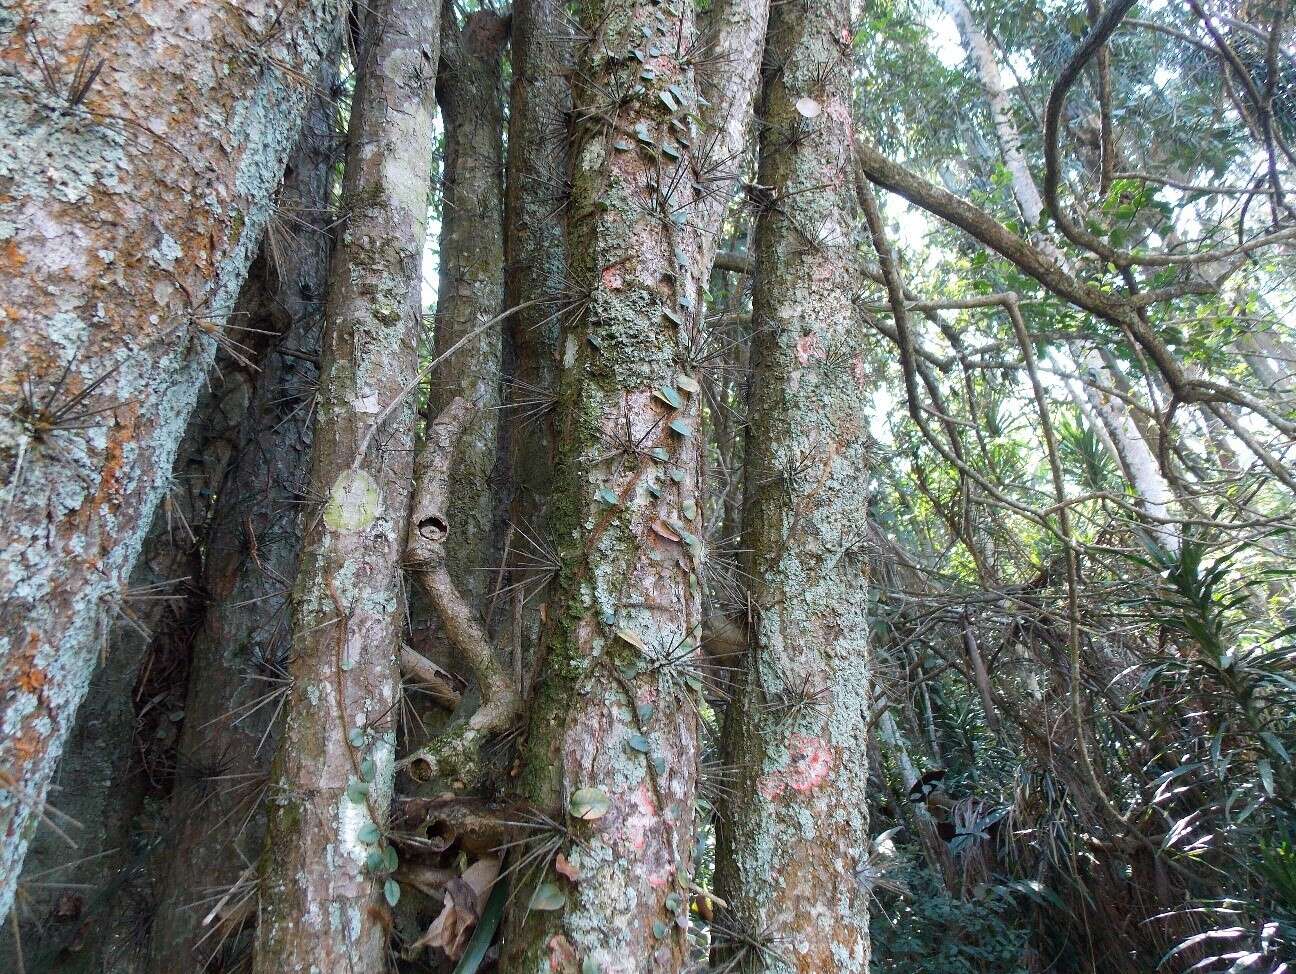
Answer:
(536, 270)
(239, 658)
(123, 244)
(1131, 448)
(798, 726)
(76, 904)
(472, 280)
(613, 719)
(736, 30)
(331, 783)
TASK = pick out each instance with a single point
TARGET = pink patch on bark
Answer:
(612, 278)
(810, 762)
(642, 819)
(807, 348)
(857, 370)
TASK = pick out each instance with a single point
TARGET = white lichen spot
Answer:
(353, 502)
(166, 253)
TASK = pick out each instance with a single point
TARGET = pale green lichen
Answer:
(353, 503)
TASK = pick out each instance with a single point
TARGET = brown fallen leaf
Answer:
(465, 899)
(663, 529)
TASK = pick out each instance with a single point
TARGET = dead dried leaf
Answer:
(662, 528)
(563, 866)
(465, 899)
(808, 107)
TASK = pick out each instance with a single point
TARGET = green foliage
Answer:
(928, 931)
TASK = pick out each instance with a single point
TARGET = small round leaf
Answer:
(589, 804)
(548, 897)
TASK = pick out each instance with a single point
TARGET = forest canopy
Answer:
(662, 486)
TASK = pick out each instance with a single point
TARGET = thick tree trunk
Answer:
(798, 726)
(76, 904)
(240, 655)
(472, 280)
(123, 245)
(331, 783)
(613, 731)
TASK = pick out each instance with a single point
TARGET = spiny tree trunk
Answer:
(124, 245)
(332, 778)
(536, 270)
(798, 726)
(76, 903)
(734, 34)
(238, 674)
(613, 735)
(472, 279)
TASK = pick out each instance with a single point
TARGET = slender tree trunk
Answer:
(536, 270)
(735, 32)
(472, 280)
(798, 726)
(1132, 451)
(238, 675)
(613, 730)
(123, 245)
(331, 783)
(1010, 145)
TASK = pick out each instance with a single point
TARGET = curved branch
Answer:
(456, 755)
(1103, 28)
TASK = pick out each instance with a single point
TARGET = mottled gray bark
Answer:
(323, 864)
(78, 906)
(613, 719)
(241, 653)
(134, 200)
(735, 35)
(472, 280)
(798, 726)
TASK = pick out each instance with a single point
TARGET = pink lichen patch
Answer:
(642, 819)
(858, 370)
(808, 348)
(809, 761)
(613, 279)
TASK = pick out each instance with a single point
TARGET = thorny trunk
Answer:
(332, 777)
(798, 725)
(77, 905)
(471, 279)
(536, 270)
(735, 33)
(124, 245)
(612, 717)
(240, 655)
